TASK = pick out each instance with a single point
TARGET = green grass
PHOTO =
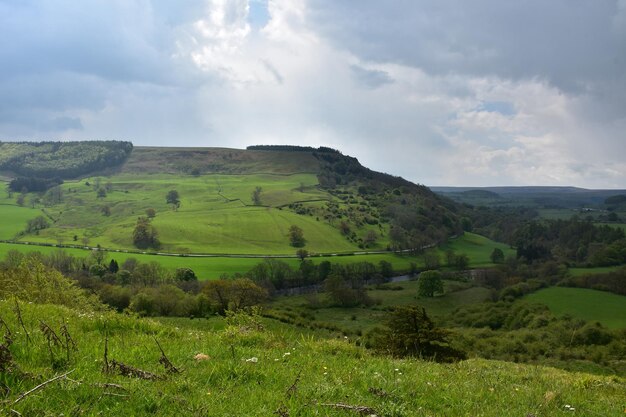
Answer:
(478, 248)
(606, 308)
(216, 214)
(214, 267)
(357, 320)
(616, 225)
(597, 270)
(14, 219)
(320, 371)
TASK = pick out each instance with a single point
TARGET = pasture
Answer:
(216, 214)
(591, 305)
(358, 320)
(213, 267)
(478, 248)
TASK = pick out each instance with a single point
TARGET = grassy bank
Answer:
(271, 371)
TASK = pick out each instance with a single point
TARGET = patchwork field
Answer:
(216, 214)
(478, 248)
(606, 308)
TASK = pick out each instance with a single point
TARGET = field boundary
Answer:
(212, 255)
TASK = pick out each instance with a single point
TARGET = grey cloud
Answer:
(571, 44)
(370, 78)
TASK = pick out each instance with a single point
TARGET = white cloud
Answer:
(442, 93)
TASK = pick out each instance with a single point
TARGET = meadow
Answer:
(265, 368)
(359, 320)
(591, 305)
(478, 248)
(215, 266)
(216, 214)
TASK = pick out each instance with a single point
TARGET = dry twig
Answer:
(291, 391)
(361, 409)
(40, 386)
(18, 313)
(132, 372)
(169, 366)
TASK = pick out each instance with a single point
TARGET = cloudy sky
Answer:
(442, 92)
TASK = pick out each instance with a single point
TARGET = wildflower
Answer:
(286, 354)
(253, 359)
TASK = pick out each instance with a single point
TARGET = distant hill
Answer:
(340, 205)
(540, 197)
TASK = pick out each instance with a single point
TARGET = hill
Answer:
(541, 197)
(110, 364)
(229, 201)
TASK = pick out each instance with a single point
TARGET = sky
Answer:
(441, 92)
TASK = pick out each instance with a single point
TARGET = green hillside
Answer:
(340, 206)
(260, 370)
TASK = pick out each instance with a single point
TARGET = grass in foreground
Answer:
(591, 305)
(270, 372)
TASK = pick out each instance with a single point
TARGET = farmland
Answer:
(606, 308)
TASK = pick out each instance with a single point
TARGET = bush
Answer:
(410, 332)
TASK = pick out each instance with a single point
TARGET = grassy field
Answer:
(478, 248)
(606, 308)
(214, 267)
(598, 270)
(359, 320)
(275, 371)
(14, 219)
(216, 214)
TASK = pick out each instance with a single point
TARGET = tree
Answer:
(296, 236)
(256, 196)
(344, 228)
(430, 282)
(37, 224)
(101, 193)
(151, 213)
(98, 255)
(497, 256)
(185, 274)
(431, 260)
(410, 332)
(233, 294)
(173, 198)
(105, 210)
(450, 258)
(462, 261)
(343, 292)
(113, 266)
(386, 269)
(302, 254)
(145, 234)
(370, 238)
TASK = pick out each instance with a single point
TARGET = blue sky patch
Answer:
(258, 15)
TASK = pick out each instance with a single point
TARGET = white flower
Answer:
(253, 359)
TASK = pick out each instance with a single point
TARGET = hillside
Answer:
(257, 368)
(231, 201)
